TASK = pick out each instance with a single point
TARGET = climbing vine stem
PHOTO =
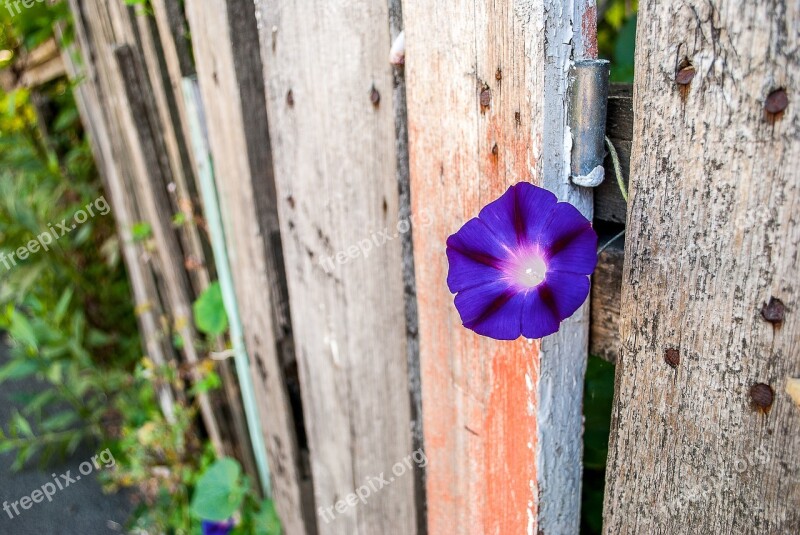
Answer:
(623, 189)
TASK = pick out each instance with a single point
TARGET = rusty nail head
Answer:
(685, 75)
(762, 396)
(672, 357)
(495, 150)
(374, 96)
(498, 75)
(290, 98)
(774, 311)
(776, 101)
(486, 97)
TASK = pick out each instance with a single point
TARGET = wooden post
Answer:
(705, 436)
(232, 86)
(143, 286)
(486, 87)
(332, 124)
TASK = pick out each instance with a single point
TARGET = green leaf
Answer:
(206, 384)
(59, 421)
(209, 311)
(63, 303)
(219, 492)
(18, 369)
(141, 231)
(97, 338)
(267, 521)
(39, 401)
(21, 330)
(21, 425)
(65, 119)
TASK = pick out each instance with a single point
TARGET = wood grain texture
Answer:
(486, 87)
(713, 234)
(143, 287)
(605, 301)
(145, 151)
(120, 74)
(332, 124)
(231, 81)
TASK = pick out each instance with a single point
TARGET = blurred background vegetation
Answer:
(72, 324)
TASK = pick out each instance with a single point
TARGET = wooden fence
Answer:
(319, 146)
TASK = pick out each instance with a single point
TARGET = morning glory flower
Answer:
(522, 266)
(211, 527)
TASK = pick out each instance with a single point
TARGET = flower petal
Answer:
(578, 255)
(474, 254)
(493, 310)
(539, 317)
(466, 272)
(553, 301)
(564, 224)
(568, 292)
(518, 213)
(478, 242)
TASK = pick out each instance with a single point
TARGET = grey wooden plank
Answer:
(231, 81)
(705, 437)
(329, 93)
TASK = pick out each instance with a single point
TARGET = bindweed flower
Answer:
(211, 527)
(522, 266)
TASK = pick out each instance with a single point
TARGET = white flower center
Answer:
(531, 271)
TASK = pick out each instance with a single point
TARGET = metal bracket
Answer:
(588, 101)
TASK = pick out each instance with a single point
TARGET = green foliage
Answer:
(141, 230)
(67, 309)
(209, 311)
(616, 38)
(222, 492)
(219, 492)
(31, 26)
(143, 6)
(598, 396)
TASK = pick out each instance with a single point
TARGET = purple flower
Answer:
(521, 267)
(211, 527)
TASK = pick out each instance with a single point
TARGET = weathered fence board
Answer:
(329, 88)
(134, 144)
(143, 287)
(606, 287)
(231, 81)
(486, 109)
(705, 437)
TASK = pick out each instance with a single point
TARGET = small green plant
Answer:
(209, 311)
(222, 493)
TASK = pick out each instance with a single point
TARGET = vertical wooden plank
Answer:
(169, 110)
(329, 87)
(409, 276)
(486, 109)
(145, 294)
(713, 235)
(144, 151)
(231, 80)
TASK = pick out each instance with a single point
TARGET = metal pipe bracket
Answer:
(588, 102)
